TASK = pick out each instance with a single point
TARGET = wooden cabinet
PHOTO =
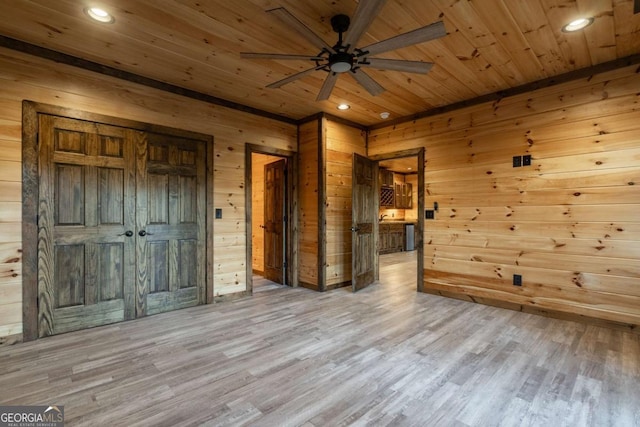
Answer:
(403, 196)
(391, 237)
(387, 195)
(386, 178)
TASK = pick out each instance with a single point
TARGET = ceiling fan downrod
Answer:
(340, 61)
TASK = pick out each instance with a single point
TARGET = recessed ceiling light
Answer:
(384, 115)
(578, 24)
(343, 107)
(100, 15)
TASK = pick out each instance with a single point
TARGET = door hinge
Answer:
(285, 219)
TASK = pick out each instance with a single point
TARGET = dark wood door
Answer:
(170, 218)
(274, 219)
(86, 221)
(121, 224)
(364, 261)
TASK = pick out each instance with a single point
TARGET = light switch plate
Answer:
(517, 161)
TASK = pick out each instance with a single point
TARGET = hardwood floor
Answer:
(383, 356)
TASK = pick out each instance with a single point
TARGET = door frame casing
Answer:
(420, 154)
(291, 204)
(30, 197)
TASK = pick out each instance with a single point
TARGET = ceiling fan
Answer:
(344, 56)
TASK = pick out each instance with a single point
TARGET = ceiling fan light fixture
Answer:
(577, 25)
(99, 14)
(340, 62)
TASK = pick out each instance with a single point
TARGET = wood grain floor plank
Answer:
(385, 356)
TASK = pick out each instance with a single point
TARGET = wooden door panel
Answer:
(88, 316)
(69, 194)
(158, 262)
(187, 263)
(188, 201)
(364, 223)
(85, 260)
(158, 198)
(111, 258)
(274, 211)
(172, 212)
(69, 275)
(110, 196)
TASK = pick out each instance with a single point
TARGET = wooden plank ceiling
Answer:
(491, 45)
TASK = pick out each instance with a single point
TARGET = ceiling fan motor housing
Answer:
(340, 62)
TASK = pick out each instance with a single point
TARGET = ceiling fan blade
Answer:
(286, 17)
(636, 6)
(293, 77)
(421, 35)
(398, 65)
(284, 56)
(366, 12)
(327, 87)
(367, 82)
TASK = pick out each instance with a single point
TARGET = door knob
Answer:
(143, 233)
(355, 229)
(127, 233)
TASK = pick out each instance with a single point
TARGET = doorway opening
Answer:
(400, 218)
(270, 218)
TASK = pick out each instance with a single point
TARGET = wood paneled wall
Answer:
(341, 142)
(569, 223)
(27, 77)
(308, 185)
(326, 148)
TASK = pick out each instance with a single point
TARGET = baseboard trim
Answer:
(309, 286)
(338, 285)
(231, 297)
(11, 339)
(561, 315)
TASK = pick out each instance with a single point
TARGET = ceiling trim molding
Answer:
(75, 61)
(333, 118)
(518, 90)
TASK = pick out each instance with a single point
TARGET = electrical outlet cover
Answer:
(517, 280)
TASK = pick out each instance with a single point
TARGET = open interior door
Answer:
(274, 212)
(364, 223)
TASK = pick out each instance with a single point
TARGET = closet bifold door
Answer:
(86, 223)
